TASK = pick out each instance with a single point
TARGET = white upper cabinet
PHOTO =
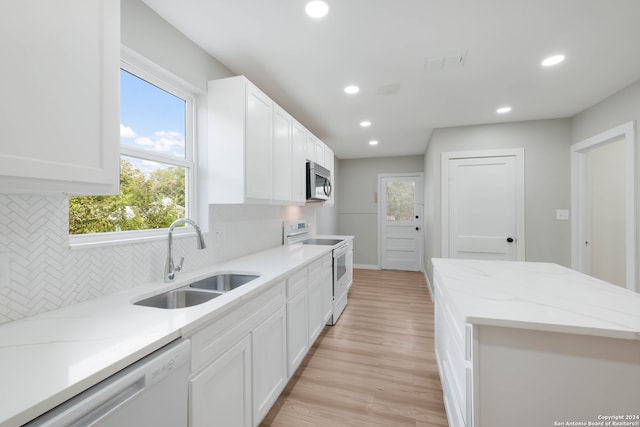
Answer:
(240, 130)
(59, 84)
(257, 151)
(329, 160)
(282, 155)
(259, 144)
(299, 160)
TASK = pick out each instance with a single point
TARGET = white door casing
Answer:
(483, 204)
(400, 240)
(580, 216)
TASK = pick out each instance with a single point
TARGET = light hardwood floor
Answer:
(376, 367)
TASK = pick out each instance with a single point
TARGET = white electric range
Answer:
(298, 232)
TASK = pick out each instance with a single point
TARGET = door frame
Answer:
(518, 153)
(579, 211)
(420, 176)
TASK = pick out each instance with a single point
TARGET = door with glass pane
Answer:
(400, 220)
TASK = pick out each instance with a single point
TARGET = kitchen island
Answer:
(535, 344)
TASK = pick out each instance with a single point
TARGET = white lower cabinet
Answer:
(297, 330)
(315, 300)
(269, 363)
(238, 363)
(327, 288)
(241, 360)
(221, 393)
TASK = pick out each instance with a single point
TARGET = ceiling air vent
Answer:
(433, 64)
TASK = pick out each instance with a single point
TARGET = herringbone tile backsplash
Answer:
(39, 272)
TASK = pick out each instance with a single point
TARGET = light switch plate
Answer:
(562, 214)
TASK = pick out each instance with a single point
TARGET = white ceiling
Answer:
(381, 45)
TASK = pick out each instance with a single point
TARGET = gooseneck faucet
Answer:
(169, 268)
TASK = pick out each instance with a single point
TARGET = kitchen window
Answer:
(157, 165)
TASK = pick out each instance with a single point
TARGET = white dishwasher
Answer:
(152, 392)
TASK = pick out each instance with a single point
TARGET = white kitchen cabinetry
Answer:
(316, 317)
(327, 288)
(517, 345)
(297, 319)
(453, 354)
(269, 363)
(299, 160)
(329, 160)
(222, 392)
(240, 130)
(238, 363)
(282, 155)
(60, 97)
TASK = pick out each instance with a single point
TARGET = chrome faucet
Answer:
(169, 268)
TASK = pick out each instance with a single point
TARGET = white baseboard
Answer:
(426, 279)
(366, 267)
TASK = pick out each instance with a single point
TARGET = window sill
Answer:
(85, 241)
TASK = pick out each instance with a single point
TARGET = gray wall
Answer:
(357, 209)
(615, 110)
(327, 216)
(547, 182)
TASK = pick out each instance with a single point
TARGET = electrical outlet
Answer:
(562, 214)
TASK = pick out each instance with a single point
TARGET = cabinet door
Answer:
(320, 153)
(297, 330)
(282, 155)
(59, 113)
(221, 393)
(315, 301)
(311, 148)
(327, 287)
(269, 363)
(258, 145)
(329, 160)
(299, 161)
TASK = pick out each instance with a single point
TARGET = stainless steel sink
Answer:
(179, 298)
(223, 282)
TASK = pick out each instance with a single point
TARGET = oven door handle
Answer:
(341, 250)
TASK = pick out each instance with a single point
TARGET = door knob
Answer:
(509, 239)
(417, 228)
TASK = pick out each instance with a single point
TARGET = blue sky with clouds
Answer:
(150, 118)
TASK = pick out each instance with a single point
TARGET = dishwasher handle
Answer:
(107, 404)
(97, 402)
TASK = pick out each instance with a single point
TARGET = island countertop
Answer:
(538, 296)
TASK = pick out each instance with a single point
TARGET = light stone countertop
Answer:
(49, 358)
(537, 296)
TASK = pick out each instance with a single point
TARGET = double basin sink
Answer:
(198, 292)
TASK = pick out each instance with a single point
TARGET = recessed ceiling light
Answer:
(553, 60)
(351, 89)
(503, 110)
(365, 123)
(317, 9)
(373, 142)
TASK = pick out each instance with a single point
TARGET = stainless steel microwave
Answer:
(318, 182)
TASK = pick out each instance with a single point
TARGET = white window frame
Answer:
(147, 70)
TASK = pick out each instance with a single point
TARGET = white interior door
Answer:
(603, 199)
(606, 248)
(400, 220)
(483, 206)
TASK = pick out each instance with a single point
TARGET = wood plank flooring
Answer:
(376, 367)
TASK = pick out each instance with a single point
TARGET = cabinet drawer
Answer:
(211, 341)
(297, 282)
